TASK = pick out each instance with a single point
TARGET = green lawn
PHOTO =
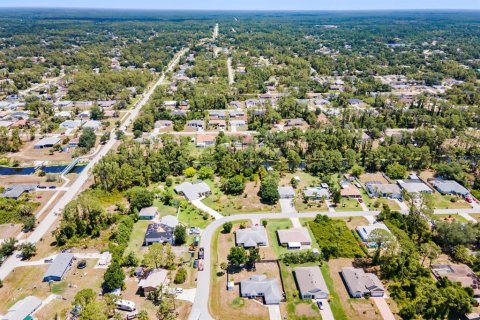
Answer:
(272, 227)
(137, 237)
(164, 210)
(311, 206)
(335, 236)
(348, 205)
(444, 202)
(377, 203)
(441, 217)
(192, 217)
(334, 299)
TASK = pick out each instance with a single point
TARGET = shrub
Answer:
(181, 276)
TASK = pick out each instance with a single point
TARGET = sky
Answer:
(251, 4)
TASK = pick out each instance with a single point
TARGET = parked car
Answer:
(320, 304)
(52, 187)
(201, 253)
(50, 260)
(195, 264)
(179, 290)
(200, 265)
(82, 264)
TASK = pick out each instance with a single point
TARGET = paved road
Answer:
(231, 74)
(200, 304)
(76, 187)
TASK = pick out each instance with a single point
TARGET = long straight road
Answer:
(13, 261)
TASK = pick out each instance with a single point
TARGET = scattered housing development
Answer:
(259, 286)
(310, 282)
(360, 283)
(251, 237)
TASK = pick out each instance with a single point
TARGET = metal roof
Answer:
(23, 308)
(59, 265)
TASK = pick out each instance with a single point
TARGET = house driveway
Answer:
(296, 222)
(187, 295)
(200, 205)
(326, 313)
(287, 206)
(274, 312)
(383, 308)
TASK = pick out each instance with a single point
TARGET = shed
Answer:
(148, 213)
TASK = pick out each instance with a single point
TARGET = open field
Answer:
(248, 202)
(448, 202)
(348, 205)
(137, 236)
(373, 177)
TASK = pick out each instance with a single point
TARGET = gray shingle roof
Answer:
(310, 281)
(286, 192)
(360, 282)
(251, 237)
(450, 187)
(15, 191)
(193, 191)
(260, 285)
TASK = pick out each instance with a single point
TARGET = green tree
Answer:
(180, 234)
(180, 276)
(28, 250)
(130, 260)
(113, 278)
(336, 197)
(234, 185)
(189, 172)
(206, 173)
(96, 113)
(227, 227)
(94, 311)
(139, 198)
(396, 171)
(237, 256)
(84, 297)
(269, 189)
(155, 256)
(87, 139)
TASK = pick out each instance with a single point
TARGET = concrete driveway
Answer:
(274, 312)
(287, 206)
(326, 313)
(202, 206)
(187, 295)
(383, 308)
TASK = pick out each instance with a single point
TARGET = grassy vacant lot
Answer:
(311, 206)
(248, 202)
(335, 237)
(306, 180)
(348, 205)
(136, 238)
(10, 209)
(449, 217)
(192, 217)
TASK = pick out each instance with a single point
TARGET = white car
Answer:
(179, 290)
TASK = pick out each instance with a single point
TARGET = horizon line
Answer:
(246, 10)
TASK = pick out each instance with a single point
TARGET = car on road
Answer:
(82, 264)
(200, 265)
(320, 304)
(201, 253)
(52, 187)
(49, 260)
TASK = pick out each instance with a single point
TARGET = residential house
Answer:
(414, 186)
(260, 286)
(158, 233)
(360, 283)
(218, 124)
(294, 238)
(238, 123)
(350, 191)
(310, 283)
(286, 192)
(198, 124)
(193, 191)
(47, 142)
(153, 280)
(205, 140)
(71, 124)
(251, 237)
(365, 231)
(451, 187)
(23, 309)
(148, 213)
(298, 122)
(316, 193)
(163, 123)
(60, 265)
(92, 124)
(383, 190)
(16, 190)
(458, 273)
